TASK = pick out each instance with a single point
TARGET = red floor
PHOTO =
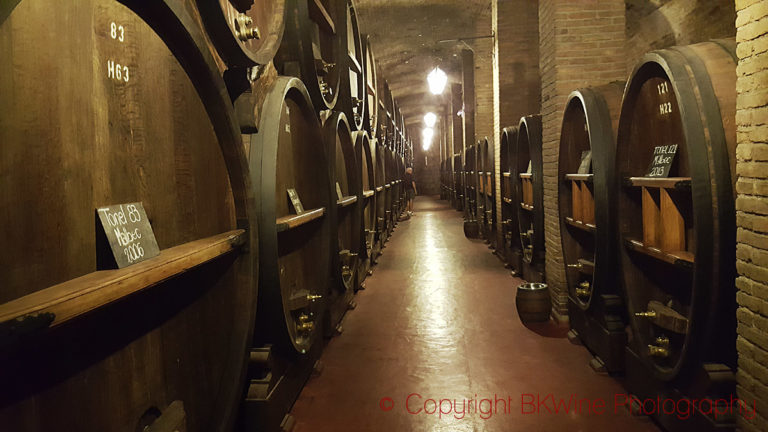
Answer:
(437, 321)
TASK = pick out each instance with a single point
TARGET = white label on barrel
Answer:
(115, 70)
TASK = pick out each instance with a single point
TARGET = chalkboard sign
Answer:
(128, 232)
(296, 201)
(586, 162)
(663, 156)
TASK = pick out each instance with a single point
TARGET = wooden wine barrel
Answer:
(586, 202)
(471, 226)
(345, 216)
(311, 50)
(381, 198)
(530, 191)
(509, 200)
(390, 197)
(131, 113)
(533, 302)
(352, 88)
(364, 149)
(458, 183)
(291, 177)
(677, 231)
(371, 112)
(489, 193)
(245, 32)
(482, 149)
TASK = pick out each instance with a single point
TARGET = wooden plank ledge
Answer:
(660, 182)
(292, 221)
(525, 206)
(508, 200)
(526, 175)
(379, 188)
(579, 224)
(677, 258)
(347, 201)
(86, 293)
(579, 177)
(507, 174)
(368, 193)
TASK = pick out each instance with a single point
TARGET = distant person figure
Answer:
(410, 188)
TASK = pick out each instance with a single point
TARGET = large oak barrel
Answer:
(352, 88)
(528, 175)
(471, 226)
(311, 50)
(458, 182)
(489, 189)
(371, 113)
(364, 149)
(245, 32)
(291, 177)
(677, 229)
(345, 215)
(586, 201)
(390, 198)
(381, 198)
(133, 111)
(482, 150)
(510, 200)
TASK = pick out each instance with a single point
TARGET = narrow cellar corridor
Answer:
(437, 320)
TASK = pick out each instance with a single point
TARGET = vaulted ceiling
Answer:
(410, 37)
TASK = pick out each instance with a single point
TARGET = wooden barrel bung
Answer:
(345, 215)
(368, 197)
(150, 126)
(677, 229)
(381, 195)
(509, 199)
(290, 176)
(352, 87)
(533, 302)
(310, 49)
(528, 176)
(586, 209)
(371, 112)
(245, 32)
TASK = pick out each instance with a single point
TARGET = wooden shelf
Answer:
(368, 193)
(579, 177)
(525, 206)
(321, 16)
(526, 175)
(292, 221)
(579, 224)
(659, 182)
(506, 174)
(677, 258)
(347, 201)
(86, 293)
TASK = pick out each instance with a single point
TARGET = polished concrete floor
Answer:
(435, 344)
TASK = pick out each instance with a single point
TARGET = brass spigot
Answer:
(324, 89)
(313, 297)
(661, 349)
(576, 266)
(242, 30)
(584, 289)
(305, 326)
(649, 314)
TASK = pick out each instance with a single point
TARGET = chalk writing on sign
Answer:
(128, 232)
(663, 156)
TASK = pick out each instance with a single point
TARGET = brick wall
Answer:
(517, 89)
(581, 44)
(651, 25)
(752, 208)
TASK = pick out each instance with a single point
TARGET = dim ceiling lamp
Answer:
(430, 119)
(437, 79)
(426, 138)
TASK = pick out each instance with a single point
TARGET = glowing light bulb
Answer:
(437, 79)
(430, 119)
